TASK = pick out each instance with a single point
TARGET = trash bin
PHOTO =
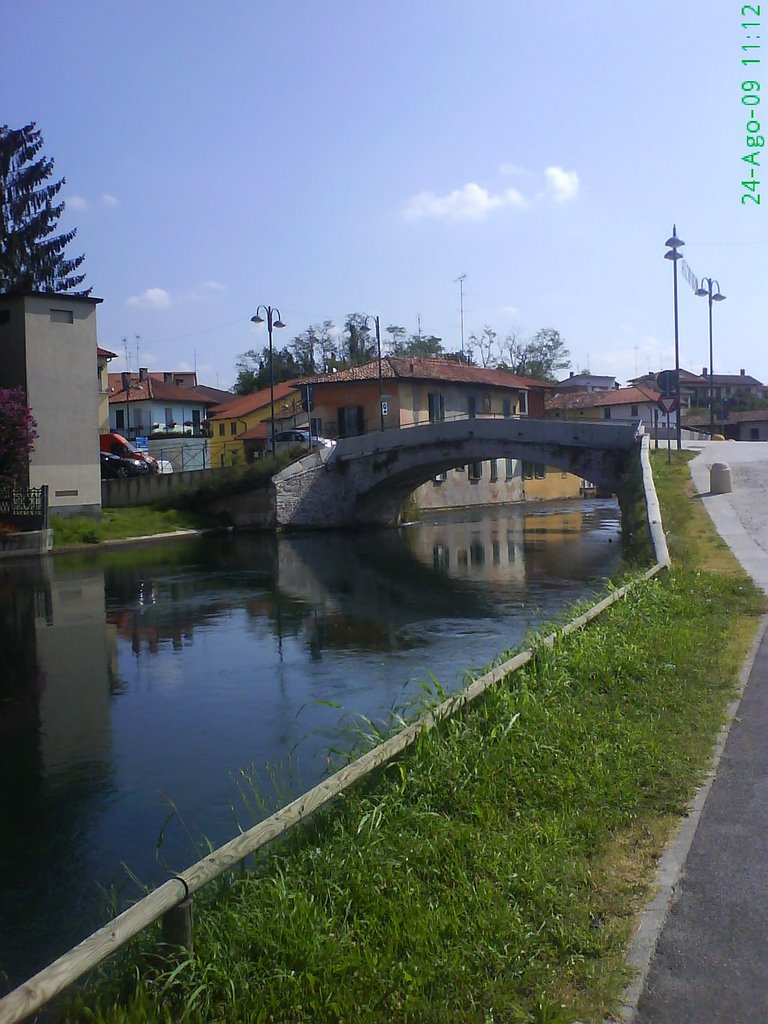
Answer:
(719, 478)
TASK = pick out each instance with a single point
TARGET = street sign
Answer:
(667, 403)
(142, 443)
(666, 382)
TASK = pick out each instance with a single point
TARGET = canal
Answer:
(143, 689)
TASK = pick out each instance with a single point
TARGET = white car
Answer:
(285, 439)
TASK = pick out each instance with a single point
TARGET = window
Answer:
(496, 552)
(472, 406)
(487, 404)
(477, 553)
(222, 428)
(351, 420)
(506, 407)
(634, 411)
(494, 470)
(440, 478)
(441, 558)
(196, 420)
(475, 471)
(119, 419)
(62, 316)
(436, 403)
(233, 428)
(169, 417)
(607, 412)
(523, 403)
(510, 468)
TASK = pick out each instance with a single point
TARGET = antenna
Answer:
(418, 321)
(460, 281)
(138, 339)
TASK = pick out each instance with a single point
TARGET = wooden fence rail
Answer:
(52, 980)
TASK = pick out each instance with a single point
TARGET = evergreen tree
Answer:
(32, 256)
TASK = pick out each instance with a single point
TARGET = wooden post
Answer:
(178, 923)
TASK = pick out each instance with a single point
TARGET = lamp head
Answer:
(702, 291)
(278, 323)
(257, 319)
(718, 297)
(674, 242)
(673, 254)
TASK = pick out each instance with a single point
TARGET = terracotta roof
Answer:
(599, 399)
(395, 368)
(145, 390)
(105, 353)
(242, 405)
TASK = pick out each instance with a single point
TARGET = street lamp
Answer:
(365, 329)
(271, 312)
(716, 297)
(673, 244)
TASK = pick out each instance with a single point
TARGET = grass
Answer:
(121, 523)
(492, 874)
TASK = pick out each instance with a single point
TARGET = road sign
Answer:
(666, 382)
(667, 403)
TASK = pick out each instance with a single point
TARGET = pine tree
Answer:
(32, 256)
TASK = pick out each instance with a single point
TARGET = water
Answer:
(137, 684)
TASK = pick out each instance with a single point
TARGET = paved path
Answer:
(711, 959)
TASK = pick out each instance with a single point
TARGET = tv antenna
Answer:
(460, 281)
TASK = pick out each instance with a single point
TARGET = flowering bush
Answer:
(18, 431)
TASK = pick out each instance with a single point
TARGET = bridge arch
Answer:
(366, 479)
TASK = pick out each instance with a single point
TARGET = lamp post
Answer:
(673, 244)
(713, 297)
(271, 312)
(365, 329)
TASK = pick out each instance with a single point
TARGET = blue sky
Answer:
(336, 156)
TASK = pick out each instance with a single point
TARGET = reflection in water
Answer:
(140, 677)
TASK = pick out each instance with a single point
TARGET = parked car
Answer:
(116, 467)
(300, 439)
(115, 444)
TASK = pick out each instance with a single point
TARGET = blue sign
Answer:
(142, 443)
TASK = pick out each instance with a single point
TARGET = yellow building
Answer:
(246, 419)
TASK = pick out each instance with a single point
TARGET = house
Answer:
(103, 358)
(619, 405)
(48, 347)
(726, 386)
(586, 382)
(241, 426)
(747, 425)
(149, 403)
(411, 391)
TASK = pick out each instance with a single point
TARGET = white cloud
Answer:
(562, 185)
(470, 202)
(77, 203)
(108, 200)
(214, 286)
(152, 298)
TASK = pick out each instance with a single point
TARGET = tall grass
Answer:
(491, 874)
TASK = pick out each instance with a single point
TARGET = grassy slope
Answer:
(491, 875)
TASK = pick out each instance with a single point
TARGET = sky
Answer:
(334, 156)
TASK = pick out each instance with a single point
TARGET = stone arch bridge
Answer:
(365, 480)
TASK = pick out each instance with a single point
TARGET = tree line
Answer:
(319, 349)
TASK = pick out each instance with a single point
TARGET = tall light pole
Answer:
(365, 329)
(713, 297)
(673, 244)
(461, 281)
(271, 312)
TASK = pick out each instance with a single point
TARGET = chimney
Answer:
(571, 374)
(704, 371)
(742, 373)
(125, 380)
(143, 375)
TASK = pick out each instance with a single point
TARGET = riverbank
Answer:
(497, 868)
